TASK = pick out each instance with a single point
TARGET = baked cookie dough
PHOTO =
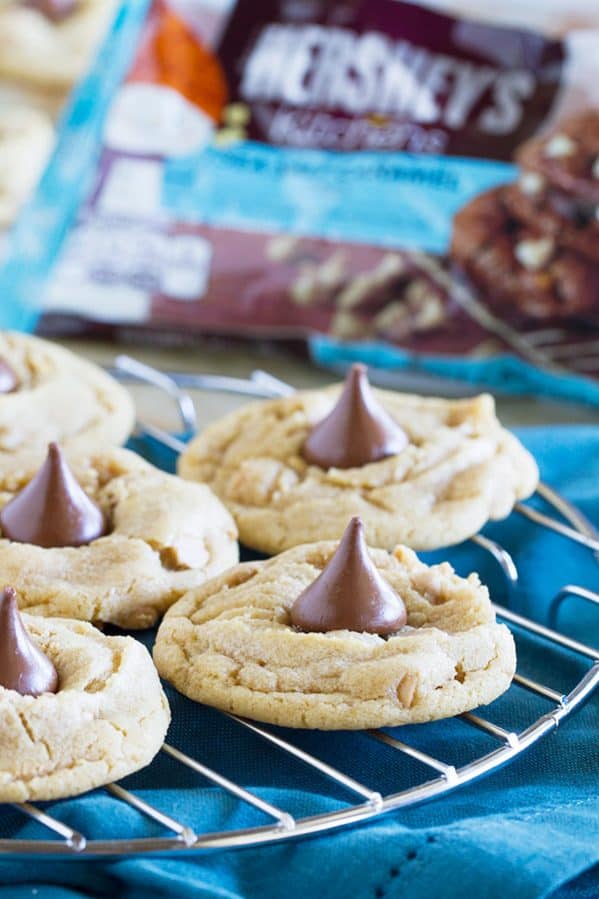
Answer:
(164, 537)
(52, 52)
(26, 139)
(459, 469)
(230, 644)
(108, 718)
(59, 396)
(518, 267)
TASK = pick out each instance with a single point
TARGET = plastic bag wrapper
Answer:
(354, 173)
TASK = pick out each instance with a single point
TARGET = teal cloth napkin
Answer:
(531, 829)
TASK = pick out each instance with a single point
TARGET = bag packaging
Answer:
(335, 171)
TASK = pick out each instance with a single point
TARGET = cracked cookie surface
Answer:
(108, 718)
(230, 644)
(165, 537)
(60, 397)
(460, 469)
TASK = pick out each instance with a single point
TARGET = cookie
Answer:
(26, 139)
(161, 537)
(50, 50)
(231, 644)
(517, 267)
(568, 157)
(107, 719)
(59, 396)
(456, 469)
(569, 220)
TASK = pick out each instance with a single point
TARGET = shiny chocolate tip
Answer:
(52, 510)
(349, 593)
(24, 668)
(55, 10)
(357, 431)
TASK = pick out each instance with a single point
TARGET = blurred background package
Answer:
(409, 184)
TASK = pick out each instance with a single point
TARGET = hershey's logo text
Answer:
(337, 69)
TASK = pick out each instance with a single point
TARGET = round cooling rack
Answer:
(363, 802)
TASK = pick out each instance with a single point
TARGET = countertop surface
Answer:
(239, 360)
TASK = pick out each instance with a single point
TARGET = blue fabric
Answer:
(531, 828)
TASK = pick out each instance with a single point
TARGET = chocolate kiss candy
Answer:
(8, 379)
(55, 10)
(357, 431)
(23, 667)
(52, 510)
(349, 593)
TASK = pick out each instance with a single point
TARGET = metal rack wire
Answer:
(364, 802)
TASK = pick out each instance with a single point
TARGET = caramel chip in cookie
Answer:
(57, 396)
(459, 469)
(232, 644)
(107, 718)
(163, 536)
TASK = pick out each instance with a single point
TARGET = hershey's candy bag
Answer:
(340, 171)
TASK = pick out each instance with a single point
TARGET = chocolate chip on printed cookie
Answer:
(515, 266)
(572, 220)
(568, 157)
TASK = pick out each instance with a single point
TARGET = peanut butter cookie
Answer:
(107, 718)
(152, 538)
(456, 469)
(48, 393)
(232, 644)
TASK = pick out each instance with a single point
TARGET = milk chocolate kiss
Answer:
(52, 510)
(8, 379)
(349, 593)
(55, 10)
(23, 667)
(357, 431)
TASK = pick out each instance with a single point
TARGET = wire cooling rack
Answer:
(364, 802)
